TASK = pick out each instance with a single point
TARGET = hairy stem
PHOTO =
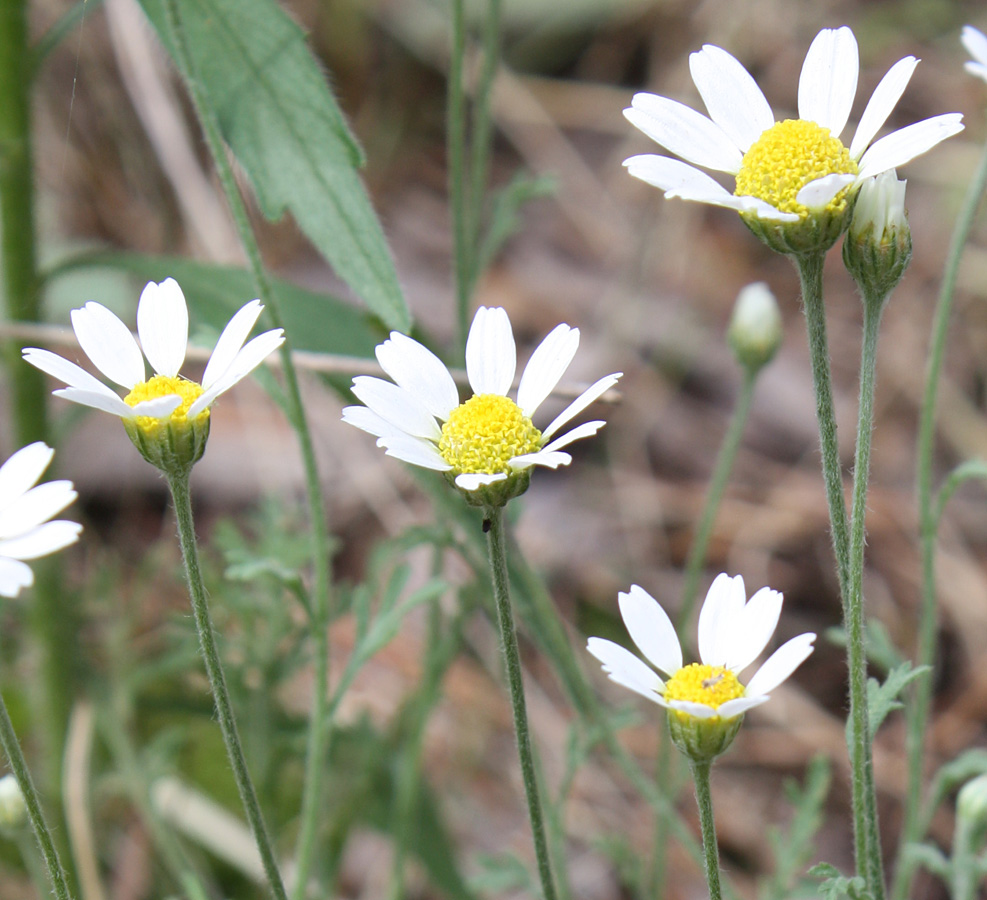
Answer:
(179, 485)
(497, 545)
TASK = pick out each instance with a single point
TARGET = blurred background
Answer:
(650, 283)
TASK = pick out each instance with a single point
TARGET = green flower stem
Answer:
(497, 545)
(810, 275)
(917, 712)
(27, 396)
(179, 486)
(318, 732)
(456, 152)
(21, 283)
(18, 765)
(862, 757)
(810, 269)
(714, 495)
(711, 853)
(965, 875)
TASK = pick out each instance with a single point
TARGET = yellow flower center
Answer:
(162, 386)
(786, 158)
(485, 433)
(709, 685)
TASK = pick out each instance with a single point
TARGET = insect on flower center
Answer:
(163, 386)
(699, 683)
(786, 157)
(485, 433)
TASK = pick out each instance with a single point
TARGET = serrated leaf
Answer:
(836, 886)
(280, 119)
(882, 699)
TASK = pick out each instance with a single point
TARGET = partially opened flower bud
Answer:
(755, 330)
(878, 246)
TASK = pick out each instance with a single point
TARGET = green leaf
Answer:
(966, 766)
(319, 323)
(835, 886)
(281, 121)
(882, 699)
(793, 846)
(930, 858)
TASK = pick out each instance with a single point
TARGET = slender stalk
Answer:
(27, 397)
(18, 765)
(862, 758)
(458, 178)
(318, 733)
(512, 660)
(714, 495)
(18, 250)
(917, 712)
(179, 486)
(711, 853)
(965, 876)
(810, 274)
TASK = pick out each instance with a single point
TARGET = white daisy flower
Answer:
(25, 510)
(162, 326)
(166, 400)
(490, 438)
(975, 42)
(732, 634)
(785, 170)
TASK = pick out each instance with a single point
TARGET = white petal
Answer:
(546, 366)
(394, 404)
(42, 540)
(162, 325)
(105, 400)
(587, 429)
(720, 612)
(157, 407)
(698, 710)
(625, 668)
(491, 356)
(816, 194)
(230, 342)
(829, 79)
(248, 359)
(756, 624)
(593, 392)
(109, 344)
(22, 470)
(733, 708)
(63, 370)
(413, 450)
(36, 506)
(684, 132)
(732, 97)
(978, 70)
(975, 42)
(904, 145)
(551, 459)
(679, 179)
(367, 420)
(470, 481)
(785, 660)
(420, 372)
(651, 629)
(884, 99)
(14, 576)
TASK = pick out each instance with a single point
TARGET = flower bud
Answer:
(755, 331)
(878, 246)
(13, 809)
(971, 808)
